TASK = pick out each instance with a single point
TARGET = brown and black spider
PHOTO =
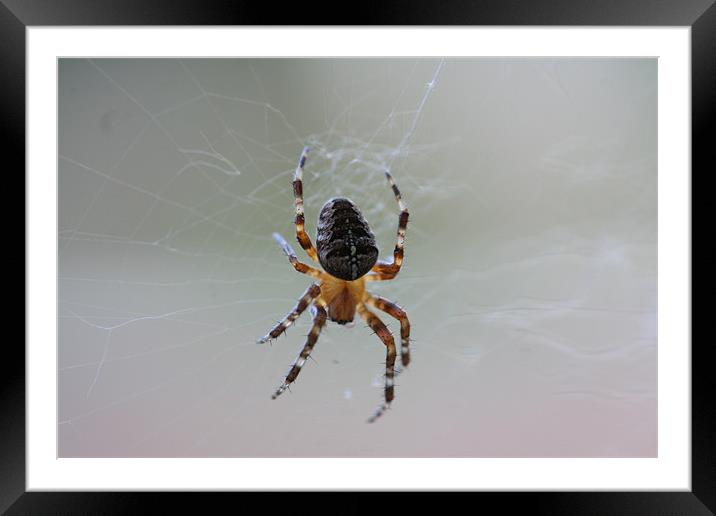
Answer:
(347, 251)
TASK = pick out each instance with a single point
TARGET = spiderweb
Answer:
(529, 228)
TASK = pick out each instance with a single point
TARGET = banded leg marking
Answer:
(299, 266)
(394, 310)
(319, 320)
(301, 234)
(384, 335)
(310, 294)
(383, 270)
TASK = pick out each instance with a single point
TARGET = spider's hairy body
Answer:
(341, 297)
(346, 245)
(347, 251)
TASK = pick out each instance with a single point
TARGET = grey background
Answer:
(530, 275)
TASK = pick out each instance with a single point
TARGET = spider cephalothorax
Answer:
(349, 256)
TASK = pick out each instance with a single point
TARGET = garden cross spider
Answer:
(347, 251)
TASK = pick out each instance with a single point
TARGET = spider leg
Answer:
(300, 267)
(387, 271)
(311, 293)
(397, 312)
(319, 320)
(301, 234)
(382, 331)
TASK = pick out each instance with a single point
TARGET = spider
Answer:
(348, 254)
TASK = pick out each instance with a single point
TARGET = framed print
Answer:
(492, 226)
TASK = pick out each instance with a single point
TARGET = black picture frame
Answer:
(16, 15)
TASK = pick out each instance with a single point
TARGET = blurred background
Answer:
(530, 274)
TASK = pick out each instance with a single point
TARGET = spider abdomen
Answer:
(345, 244)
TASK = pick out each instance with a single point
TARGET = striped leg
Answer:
(387, 271)
(301, 234)
(311, 293)
(382, 331)
(300, 267)
(397, 312)
(319, 320)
